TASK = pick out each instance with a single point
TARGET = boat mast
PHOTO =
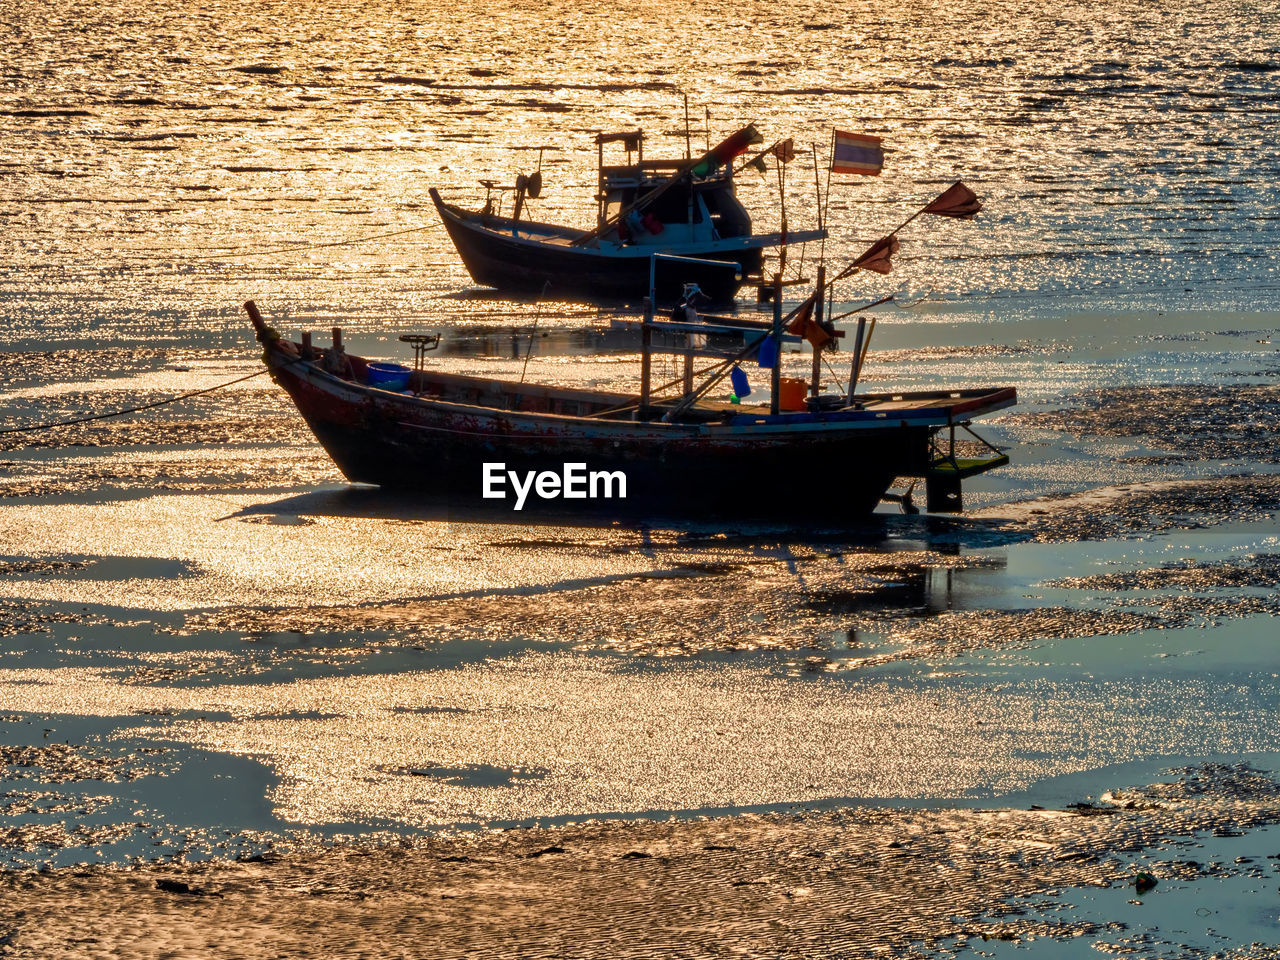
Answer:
(819, 299)
(688, 142)
(775, 382)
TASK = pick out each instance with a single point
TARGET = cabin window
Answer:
(673, 207)
(615, 204)
(728, 216)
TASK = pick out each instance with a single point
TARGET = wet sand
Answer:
(252, 713)
(1145, 509)
(846, 883)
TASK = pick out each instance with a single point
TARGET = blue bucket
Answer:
(389, 376)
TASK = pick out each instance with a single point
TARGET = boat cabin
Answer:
(701, 209)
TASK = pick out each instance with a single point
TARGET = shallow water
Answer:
(1210, 899)
(211, 647)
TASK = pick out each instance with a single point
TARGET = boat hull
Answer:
(526, 264)
(471, 444)
(834, 478)
(439, 452)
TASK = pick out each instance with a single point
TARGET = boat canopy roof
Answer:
(630, 139)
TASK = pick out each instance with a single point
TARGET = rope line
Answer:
(128, 410)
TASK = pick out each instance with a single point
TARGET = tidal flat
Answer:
(852, 882)
(258, 696)
(247, 709)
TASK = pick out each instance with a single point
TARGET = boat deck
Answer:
(938, 407)
(904, 404)
(935, 408)
(957, 402)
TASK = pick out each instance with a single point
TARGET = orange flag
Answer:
(803, 325)
(877, 256)
(956, 201)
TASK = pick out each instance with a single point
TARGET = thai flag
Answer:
(856, 153)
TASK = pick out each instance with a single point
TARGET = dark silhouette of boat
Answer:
(686, 208)
(826, 462)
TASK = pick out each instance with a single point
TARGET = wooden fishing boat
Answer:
(442, 436)
(686, 208)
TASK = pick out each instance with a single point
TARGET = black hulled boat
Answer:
(454, 440)
(682, 208)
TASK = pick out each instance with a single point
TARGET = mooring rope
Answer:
(128, 410)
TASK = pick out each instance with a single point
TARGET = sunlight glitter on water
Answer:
(199, 581)
(580, 736)
(1112, 172)
(343, 559)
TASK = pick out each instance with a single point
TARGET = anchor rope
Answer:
(127, 410)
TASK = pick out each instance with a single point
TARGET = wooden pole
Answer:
(898, 229)
(521, 187)
(646, 341)
(866, 344)
(782, 204)
(850, 313)
(600, 200)
(688, 142)
(817, 185)
(907, 221)
(775, 385)
(762, 152)
(815, 383)
(857, 352)
(824, 201)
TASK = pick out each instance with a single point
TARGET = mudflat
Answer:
(842, 883)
